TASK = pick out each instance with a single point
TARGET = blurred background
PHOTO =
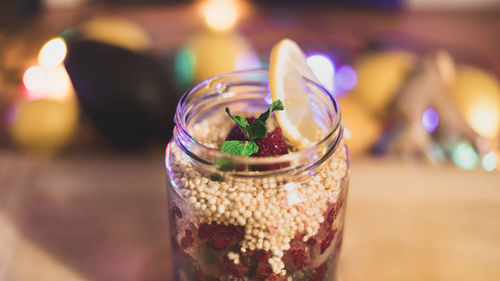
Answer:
(88, 90)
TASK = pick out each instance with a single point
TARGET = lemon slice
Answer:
(287, 69)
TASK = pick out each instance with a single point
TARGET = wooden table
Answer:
(103, 217)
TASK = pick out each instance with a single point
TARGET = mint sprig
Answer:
(242, 122)
(236, 147)
(256, 130)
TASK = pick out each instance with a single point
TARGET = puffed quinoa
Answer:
(273, 210)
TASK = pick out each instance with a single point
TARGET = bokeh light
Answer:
(52, 53)
(347, 133)
(34, 78)
(212, 53)
(345, 79)
(464, 156)
(483, 116)
(51, 83)
(220, 15)
(116, 31)
(44, 125)
(324, 69)
(246, 60)
(490, 161)
(430, 119)
(58, 83)
(184, 63)
(476, 93)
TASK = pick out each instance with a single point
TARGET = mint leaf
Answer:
(242, 122)
(257, 130)
(225, 164)
(243, 148)
(277, 105)
(216, 177)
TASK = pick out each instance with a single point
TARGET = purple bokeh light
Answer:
(345, 79)
(430, 120)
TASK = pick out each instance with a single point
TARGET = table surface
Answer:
(103, 217)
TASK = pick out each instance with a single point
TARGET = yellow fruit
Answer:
(117, 31)
(361, 128)
(44, 125)
(287, 68)
(476, 92)
(380, 75)
(213, 53)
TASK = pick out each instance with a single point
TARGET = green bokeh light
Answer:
(184, 63)
(464, 156)
(490, 161)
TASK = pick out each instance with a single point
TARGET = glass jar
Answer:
(249, 218)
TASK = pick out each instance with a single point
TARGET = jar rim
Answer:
(324, 147)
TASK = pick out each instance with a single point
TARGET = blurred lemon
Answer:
(213, 53)
(44, 125)
(380, 75)
(361, 129)
(476, 92)
(118, 32)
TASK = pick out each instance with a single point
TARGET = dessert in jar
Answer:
(258, 176)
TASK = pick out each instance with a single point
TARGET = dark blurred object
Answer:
(386, 4)
(16, 10)
(145, 1)
(128, 95)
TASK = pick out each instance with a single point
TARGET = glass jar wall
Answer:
(249, 218)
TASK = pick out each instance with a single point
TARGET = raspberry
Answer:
(224, 236)
(220, 236)
(241, 269)
(333, 211)
(187, 241)
(236, 133)
(247, 257)
(299, 254)
(331, 215)
(274, 144)
(311, 242)
(237, 270)
(299, 235)
(327, 240)
(263, 267)
(275, 277)
(262, 256)
(319, 273)
(204, 230)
